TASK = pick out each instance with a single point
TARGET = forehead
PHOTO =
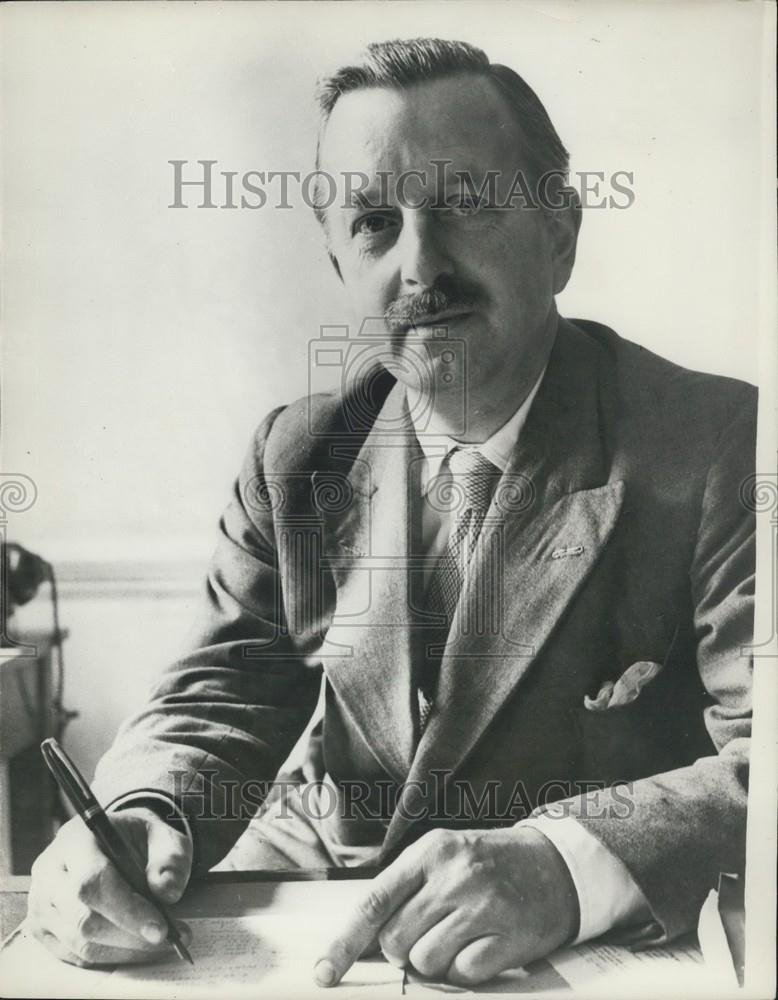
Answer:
(463, 119)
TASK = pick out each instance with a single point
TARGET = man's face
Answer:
(489, 274)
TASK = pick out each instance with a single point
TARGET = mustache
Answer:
(444, 295)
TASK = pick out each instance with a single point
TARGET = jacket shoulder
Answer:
(653, 389)
(302, 435)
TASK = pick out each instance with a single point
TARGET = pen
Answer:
(113, 845)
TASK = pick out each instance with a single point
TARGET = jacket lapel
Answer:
(551, 515)
(367, 651)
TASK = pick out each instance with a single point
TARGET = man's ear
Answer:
(564, 223)
(335, 264)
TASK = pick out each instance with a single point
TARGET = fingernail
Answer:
(168, 888)
(324, 973)
(153, 933)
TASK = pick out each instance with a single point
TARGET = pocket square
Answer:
(626, 689)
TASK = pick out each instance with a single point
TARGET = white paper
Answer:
(269, 954)
(713, 942)
(615, 971)
(597, 970)
(272, 955)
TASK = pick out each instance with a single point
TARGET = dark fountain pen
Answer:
(112, 844)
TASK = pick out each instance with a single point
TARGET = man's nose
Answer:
(422, 257)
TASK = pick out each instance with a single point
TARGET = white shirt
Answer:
(607, 893)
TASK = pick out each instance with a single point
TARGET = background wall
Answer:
(142, 344)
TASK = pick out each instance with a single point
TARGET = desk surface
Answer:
(314, 900)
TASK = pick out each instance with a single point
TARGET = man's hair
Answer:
(401, 63)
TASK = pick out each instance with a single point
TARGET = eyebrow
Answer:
(372, 197)
(364, 199)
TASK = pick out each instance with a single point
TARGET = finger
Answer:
(480, 960)
(432, 954)
(409, 923)
(96, 884)
(47, 874)
(77, 925)
(169, 861)
(76, 947)
(386, 893)
(136, 916)
(52, 944)
(83, 924)
(373, 949)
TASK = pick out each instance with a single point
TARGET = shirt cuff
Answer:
(141, 796)
(607, 893)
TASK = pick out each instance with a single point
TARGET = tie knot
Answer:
(475, 475)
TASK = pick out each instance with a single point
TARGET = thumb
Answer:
(169, 860)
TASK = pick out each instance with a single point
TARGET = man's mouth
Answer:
(442, 317)
(403, 324)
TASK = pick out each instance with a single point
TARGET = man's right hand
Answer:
(83, 911)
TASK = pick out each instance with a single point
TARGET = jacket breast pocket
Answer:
(628, 742)
(663, 728)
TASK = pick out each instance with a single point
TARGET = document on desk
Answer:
(268, 955)
(594, 971)
(268, 946)
(271, 956)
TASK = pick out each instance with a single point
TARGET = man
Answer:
(516, 554)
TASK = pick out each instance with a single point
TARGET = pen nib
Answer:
(182, 952)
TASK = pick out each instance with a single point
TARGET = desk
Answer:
(309, 911)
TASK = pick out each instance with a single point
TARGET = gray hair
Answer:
(402, 63)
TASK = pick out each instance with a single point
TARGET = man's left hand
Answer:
(462, 906)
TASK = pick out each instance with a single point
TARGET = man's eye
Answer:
(372, 224)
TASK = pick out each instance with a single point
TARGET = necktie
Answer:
(467, 498)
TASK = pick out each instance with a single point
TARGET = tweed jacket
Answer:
(620, 538)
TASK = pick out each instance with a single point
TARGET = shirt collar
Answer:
(498, 448)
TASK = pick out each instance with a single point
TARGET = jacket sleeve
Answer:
(675, 832)
(224, 717)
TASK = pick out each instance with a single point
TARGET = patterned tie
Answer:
(474, 478)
